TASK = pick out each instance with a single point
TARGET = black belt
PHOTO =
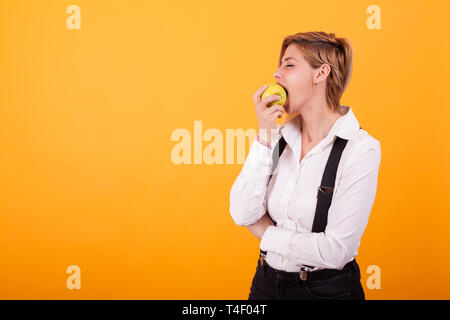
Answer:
(273, 273)
(303, 273)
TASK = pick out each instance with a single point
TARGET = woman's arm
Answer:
(259, 227)
(248, 193)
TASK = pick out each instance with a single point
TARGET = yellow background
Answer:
(87, 115)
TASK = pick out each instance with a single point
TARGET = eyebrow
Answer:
(286, 59)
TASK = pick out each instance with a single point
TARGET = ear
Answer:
(321, 73)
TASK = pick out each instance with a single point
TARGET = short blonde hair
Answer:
(320, 48)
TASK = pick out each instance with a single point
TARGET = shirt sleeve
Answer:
(248, 193)
(348, 216)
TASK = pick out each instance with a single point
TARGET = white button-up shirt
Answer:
(291, 196)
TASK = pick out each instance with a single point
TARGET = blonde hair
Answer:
(320, 48)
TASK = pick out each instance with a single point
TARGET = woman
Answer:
(310, 206)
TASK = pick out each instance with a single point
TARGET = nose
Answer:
(277, 74)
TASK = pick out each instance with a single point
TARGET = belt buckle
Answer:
(303, 273)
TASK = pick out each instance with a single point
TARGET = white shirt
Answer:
(290, 198)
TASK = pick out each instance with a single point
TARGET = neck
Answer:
(316, 121)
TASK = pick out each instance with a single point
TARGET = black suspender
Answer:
(326, 189)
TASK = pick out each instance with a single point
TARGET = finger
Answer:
(276, 107)
(281, 108)
(276, 114)
(257, 95)
(268, 99)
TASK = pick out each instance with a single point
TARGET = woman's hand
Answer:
(266, 116)
(259, 227)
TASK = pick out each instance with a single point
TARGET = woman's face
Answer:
(296, 76)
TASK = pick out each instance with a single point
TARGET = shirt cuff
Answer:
(276, 239)
(259, 160)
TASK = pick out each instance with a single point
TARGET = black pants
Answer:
(327, 284)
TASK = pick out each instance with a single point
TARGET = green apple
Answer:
(272, 89)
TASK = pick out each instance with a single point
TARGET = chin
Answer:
(288, 107)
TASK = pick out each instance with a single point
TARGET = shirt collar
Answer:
(346, 127)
